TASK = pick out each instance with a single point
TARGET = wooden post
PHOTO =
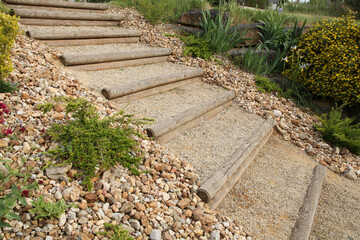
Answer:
(217, 186)
(302, 227)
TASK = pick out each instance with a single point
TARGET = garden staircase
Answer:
(172, 94)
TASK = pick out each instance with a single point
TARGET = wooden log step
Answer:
(83, 42)
(302, 227)
(217, 186)
(60, 3)
(121, 90)
(63, 22)
(42, 14)
(117, 64)
(14, 6)
(161, 129)
(82, 34)
(81, 59)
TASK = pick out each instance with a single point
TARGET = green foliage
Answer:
(328, 60)
(219, 34)
(46, 107)
(197, 47)
(18, 192)
(354, 5)
(115, 232)
(4, 8)
(265, 84)
(340, 131)
(9, 28)
(255, 3)
(89, 142)
(319, 7)
(7, 87)
(48, 210)
(161, 10)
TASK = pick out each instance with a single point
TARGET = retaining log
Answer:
(117, 64)
(79, 59)
(29, 13)
(83, 42)
(133, 87)
(14, 6)
(63, 22)
(60, 3)
(302, 227)
(217, 186)
(170, 124)
(82, 34)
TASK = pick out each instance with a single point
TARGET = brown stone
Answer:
(183, 203)
(59, 107)
(25, 95)
(148, 229)
(83, 205)
(91, 197)
(58, 116)
(3, 143)
(140, 207)
(153, 205)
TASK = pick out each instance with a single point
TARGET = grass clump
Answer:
(91, 143)
(161, 10)
(265, 84)
(340, 131)
(48, 210)
(197, 47)
(115, 232)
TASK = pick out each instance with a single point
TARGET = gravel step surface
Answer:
(210, 144)
(97, 80)
(168, 104)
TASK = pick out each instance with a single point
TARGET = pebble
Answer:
(155, 234)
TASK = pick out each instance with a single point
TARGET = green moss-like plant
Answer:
(115, 232)
(265, 84)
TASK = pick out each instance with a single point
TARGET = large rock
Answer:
(194, 16)
(57, 172)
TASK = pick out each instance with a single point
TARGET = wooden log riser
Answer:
(58, 22)
(302, 227)
(82, 34)
(64, 4)
(115, 91)
(81, 59)
(169, 125)
(117, 64)
(66, 15)
(84, 42)
(155, 90)
(216, 187)
(13, 6)
(181, 129)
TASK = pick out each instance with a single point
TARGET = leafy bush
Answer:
(8, 29)
(219, 34)
(48, 210)
(265, 84)
(354, 5)
(7, 87)
(89, 142)
(115, 232)
(329, 63)
(197, 47)
(4, 8)
(161, 10)
(340, 131)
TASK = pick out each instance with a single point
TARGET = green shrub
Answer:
(115, 232)
(7, 87)
(354, 5)
(9, 28)
(329, 63)
(89, 142)
(197, 47)
(265, 84)
(48, 210)
(340, 131)
(219, 34)
(161, 10)
(4, 8)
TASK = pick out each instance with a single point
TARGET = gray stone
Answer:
(58, 195)
(56, 172)
(155, 234)
(82, 213)
(215, 235)
(68, 229)
(127, 207)
(350, 173)
(62, 220)
(3, 169)
(135, 224)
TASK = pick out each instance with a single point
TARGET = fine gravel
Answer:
(210, 144)
(168, 104)
(97, 80)
(267, 198)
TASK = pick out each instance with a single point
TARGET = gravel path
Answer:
(166, 105)
(97, 80)
(267, 198)
(209, 145)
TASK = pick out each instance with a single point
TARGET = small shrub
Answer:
(340, 131)
(48, 210)
(4, 8)
(7, 87)
(197, 47)
(330, 60)
(219, 34)
(89, 142)
(115, 232)
(265, 84)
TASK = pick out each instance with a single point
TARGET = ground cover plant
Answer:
(48, 210)
(115, 232)
(161, 10)
(89, 142)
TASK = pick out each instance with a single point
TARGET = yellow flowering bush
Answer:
(8, 29)
(328, 60)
